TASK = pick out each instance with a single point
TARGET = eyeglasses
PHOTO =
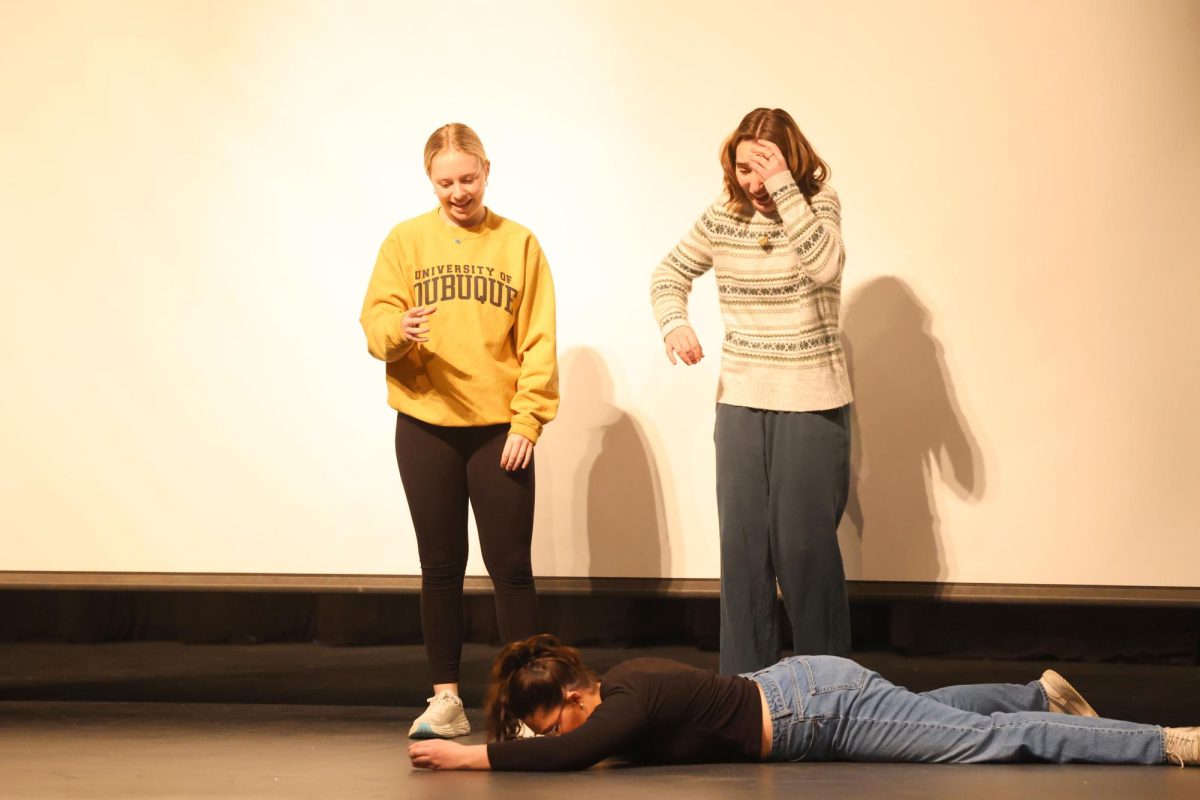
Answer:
(553, 730)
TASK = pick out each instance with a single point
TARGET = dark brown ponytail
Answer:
(529, 676)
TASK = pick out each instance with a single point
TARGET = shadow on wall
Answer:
(600, 500)
(906, 423)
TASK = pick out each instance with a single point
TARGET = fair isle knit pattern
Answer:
(779, 281)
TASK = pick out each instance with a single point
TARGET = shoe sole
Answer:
(426, 731)
(1065, 696)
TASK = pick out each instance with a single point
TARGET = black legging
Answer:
(441, 469)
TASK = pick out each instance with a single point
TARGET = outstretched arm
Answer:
(440, 754)
(610, 730)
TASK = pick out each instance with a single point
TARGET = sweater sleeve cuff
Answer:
(779, 181)
(673, 324)
(496, 756)
(400, 345)
(524, 429)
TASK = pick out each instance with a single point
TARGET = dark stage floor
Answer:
(160, 719)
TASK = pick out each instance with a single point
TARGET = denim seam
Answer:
(998, 727)
(809, 734)
(775, 703)
(797, 695)
(960, 728)
(813, 689)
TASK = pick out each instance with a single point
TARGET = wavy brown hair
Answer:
(774, 125)
(529, 676)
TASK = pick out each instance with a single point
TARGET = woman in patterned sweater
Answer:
(783, 429)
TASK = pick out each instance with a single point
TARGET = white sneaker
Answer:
(444, 719)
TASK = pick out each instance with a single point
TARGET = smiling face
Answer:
(749, 180)
(458, 180)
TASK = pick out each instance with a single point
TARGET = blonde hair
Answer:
(454, 136)
(774, 125)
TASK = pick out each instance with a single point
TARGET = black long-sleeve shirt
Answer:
(653, 710)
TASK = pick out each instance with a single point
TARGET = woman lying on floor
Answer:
(806, 708)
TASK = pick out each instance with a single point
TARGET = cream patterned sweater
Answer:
(779, 281)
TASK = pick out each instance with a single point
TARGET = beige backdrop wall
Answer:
(192, 196)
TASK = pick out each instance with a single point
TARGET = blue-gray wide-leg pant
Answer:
(782, 483)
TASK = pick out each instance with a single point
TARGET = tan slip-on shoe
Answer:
(1062, 696)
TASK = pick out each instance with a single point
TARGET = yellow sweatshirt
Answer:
(491, 357)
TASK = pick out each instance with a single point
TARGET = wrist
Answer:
(778, 181)
(474, 757)
(524, 430)
(673, 326)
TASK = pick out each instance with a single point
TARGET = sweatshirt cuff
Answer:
(401, 345)
(525, 429)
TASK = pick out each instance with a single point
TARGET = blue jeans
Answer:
(825, 708)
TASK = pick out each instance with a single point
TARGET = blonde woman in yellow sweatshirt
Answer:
(461, 308)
